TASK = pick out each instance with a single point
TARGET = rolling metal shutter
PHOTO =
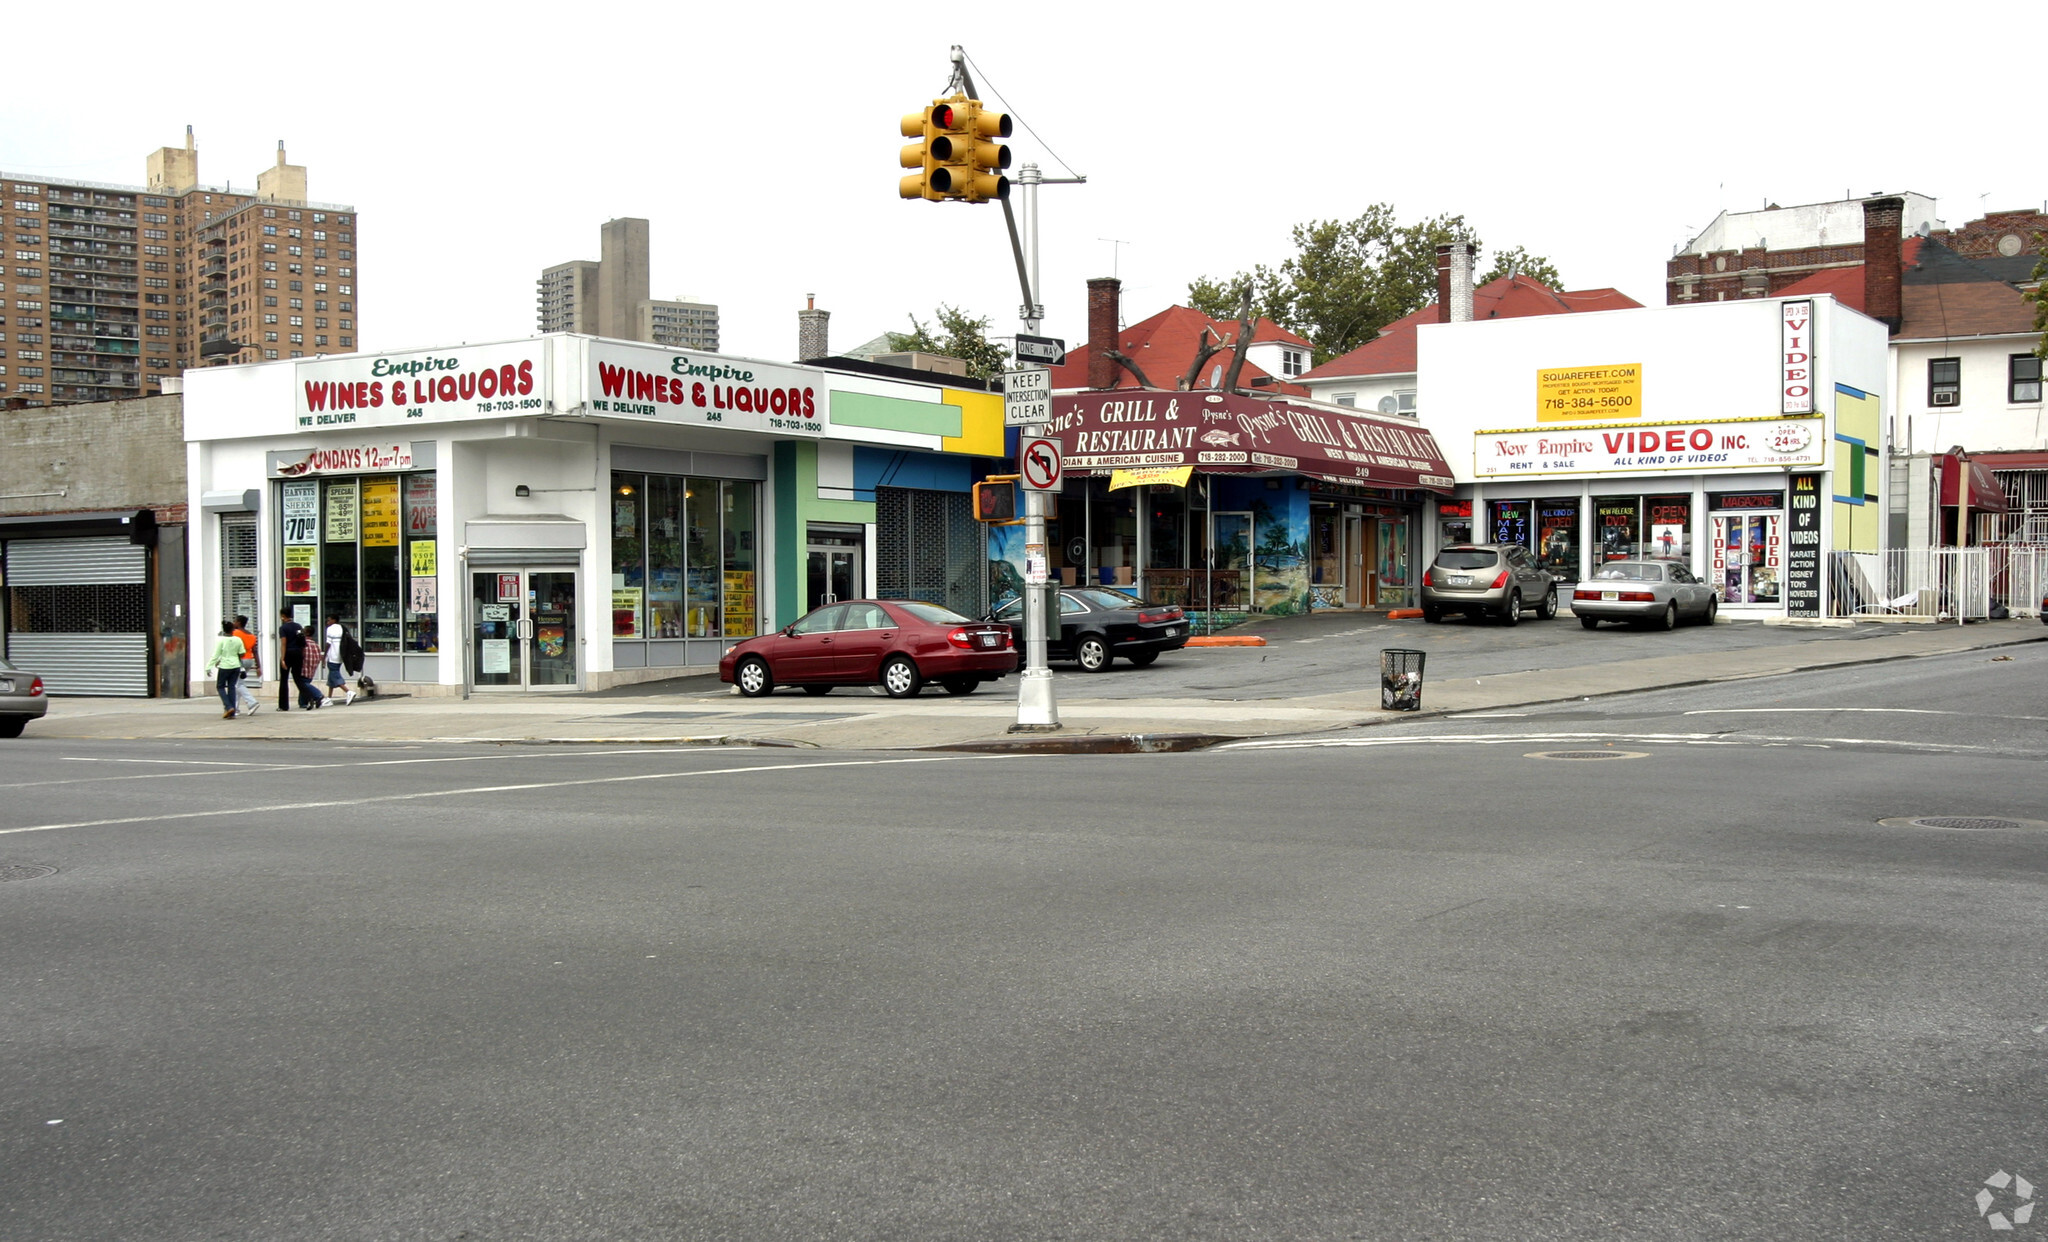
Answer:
(78, 614)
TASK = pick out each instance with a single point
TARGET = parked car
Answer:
(1098, 625)
(21, 699)
(900, 644)
(1482, 579)
(1646, 592)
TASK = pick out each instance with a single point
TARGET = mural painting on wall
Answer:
(1005, 564)
(1280, 563)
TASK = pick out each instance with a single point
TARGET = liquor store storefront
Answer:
(1239, 503)
(558, 513)
(1718, 436)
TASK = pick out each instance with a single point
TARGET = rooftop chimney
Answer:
(1882, 218)
(1454, 282)
(812, 330)
(1104, 294)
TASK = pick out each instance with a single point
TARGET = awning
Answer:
(1985, 495)
(1158, 476)
(1218, 433)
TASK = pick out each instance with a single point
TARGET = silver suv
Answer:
(1481, 578)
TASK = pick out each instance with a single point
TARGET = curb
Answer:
(1091, 744)
(1226, 640)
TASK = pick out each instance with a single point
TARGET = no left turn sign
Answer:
(1038, 464)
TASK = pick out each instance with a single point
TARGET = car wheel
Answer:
(1431, 615)
(1548, 608)
(11, 726)
(1092, 653)
(960, 685)
(815, 691)
(1512, 614)
(1142, 658)
(1669, 621)
(1591, 623)
(1713, 607)
(753, 677)
(900, 678)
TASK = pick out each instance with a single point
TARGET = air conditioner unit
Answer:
(1945, 396)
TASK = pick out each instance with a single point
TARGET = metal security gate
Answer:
(78, 613)
(928, 546)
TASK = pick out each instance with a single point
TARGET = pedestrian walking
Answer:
(337, 677)
(252, 670)
(309, 667)
(291, 664)
(226, 666)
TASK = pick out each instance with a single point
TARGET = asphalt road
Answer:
(1423, 988)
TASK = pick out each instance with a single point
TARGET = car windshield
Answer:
(1634, 571)
(930, 612)
(1097, 598)
(1466, 558)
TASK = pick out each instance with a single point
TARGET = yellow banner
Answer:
(1565, 394)
(380, 513)
(422, 558)
(1170, 476)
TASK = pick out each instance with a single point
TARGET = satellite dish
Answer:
(1388, 404)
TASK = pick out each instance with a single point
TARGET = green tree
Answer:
(2039, 295)
(1519, 262)
(959, 335)
(1347, 279)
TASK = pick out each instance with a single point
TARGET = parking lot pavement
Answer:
(1316, 673)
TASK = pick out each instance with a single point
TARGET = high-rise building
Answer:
(609, 297)
(111, 288)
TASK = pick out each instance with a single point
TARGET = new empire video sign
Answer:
(1775, 443)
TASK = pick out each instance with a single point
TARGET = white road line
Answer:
(1678, 739)
(1882, 711)
(477, 789)
(304, 767)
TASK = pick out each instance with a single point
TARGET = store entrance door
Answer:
(1357, 580)
(1748, 557)
(1230, 547)
(523, 629)
(832, 570)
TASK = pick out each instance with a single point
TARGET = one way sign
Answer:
(1038, 464)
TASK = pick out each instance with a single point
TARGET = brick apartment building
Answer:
(108, 289)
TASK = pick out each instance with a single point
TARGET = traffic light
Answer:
(956, 158)
(995, 499)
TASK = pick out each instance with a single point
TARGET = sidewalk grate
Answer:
(24, 871)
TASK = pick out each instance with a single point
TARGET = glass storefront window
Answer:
(684, 558)
(1168, 508)
(1747, 557)
(382, 626)
(1511, 522)
(1669, 529)
(1326, 545)
(1557, 537)
(1621, 526)
(664, 556)
(740, 560)
(704, 565)
(362, 550)
(1453, 522)
(421, 566)
(629, 556)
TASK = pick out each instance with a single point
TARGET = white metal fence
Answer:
(1945, 584)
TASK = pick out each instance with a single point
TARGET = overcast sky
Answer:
(483, 144)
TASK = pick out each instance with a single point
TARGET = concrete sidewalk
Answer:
(861, 719)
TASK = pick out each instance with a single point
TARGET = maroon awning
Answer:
(1218, 433)
(1986, 496)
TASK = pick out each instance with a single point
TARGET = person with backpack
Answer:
(337, 635)
(352, 664)
(297, 661)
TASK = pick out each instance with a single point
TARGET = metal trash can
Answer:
(1401, 679)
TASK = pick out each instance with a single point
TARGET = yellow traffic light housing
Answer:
(995, 499)
(957, 160)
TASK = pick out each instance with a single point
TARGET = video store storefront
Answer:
(1720, 435)
(557, 513)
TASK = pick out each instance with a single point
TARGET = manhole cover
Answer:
(24, 871)
(1962, 823)
(1586, 754)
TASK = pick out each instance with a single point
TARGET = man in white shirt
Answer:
(336, 678)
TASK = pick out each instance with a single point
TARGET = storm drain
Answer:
(24, 871)
(1962, 823)
(1576, 755)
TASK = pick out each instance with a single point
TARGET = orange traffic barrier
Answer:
(1403, 614)
(1226, 640)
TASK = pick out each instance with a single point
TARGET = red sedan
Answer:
(898, 643)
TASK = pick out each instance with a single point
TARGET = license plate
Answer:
(1172, 631)
(1610, 595)
(6, 687)
(990, 640)
(1461, 579)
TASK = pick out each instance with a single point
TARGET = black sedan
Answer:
(1099, 625)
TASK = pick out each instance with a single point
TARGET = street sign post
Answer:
(1038, 463)
(1027, 397)
(1047, 350)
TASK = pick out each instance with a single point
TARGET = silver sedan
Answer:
(1647, 592)
(21, 699)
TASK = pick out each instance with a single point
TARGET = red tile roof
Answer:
(1165, 344)
(1392, 352)
(1941, 294)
